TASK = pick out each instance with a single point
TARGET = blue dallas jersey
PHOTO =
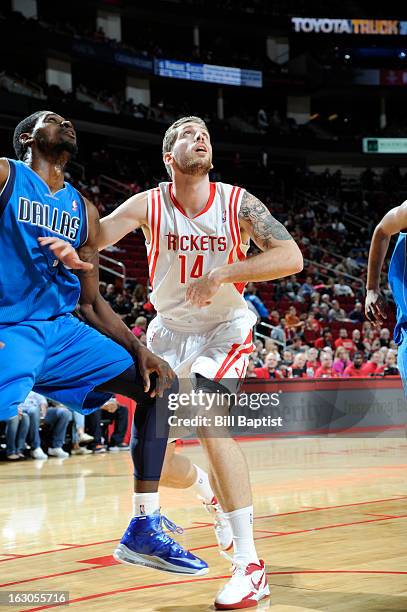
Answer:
(34, 286)
(398, 283)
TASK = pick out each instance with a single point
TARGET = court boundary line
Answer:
(211, 578)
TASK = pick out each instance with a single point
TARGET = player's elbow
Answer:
(295, 260)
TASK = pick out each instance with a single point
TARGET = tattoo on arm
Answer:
(265, 228)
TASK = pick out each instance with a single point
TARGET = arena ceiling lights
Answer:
(317, 25)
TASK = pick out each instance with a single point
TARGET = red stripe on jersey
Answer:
(239, 253)
(225, 364)
(212, 193)
(236, 237)
(152, 227)
(232, 233)
(157, 237)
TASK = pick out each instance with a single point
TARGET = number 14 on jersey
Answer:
(196, 269)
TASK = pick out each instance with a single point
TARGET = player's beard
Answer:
(54, 149)
(194, 166)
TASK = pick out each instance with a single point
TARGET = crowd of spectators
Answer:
(44, 428)
(322, 341)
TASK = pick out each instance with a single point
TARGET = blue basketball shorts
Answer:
(402, 358)
(63, 359)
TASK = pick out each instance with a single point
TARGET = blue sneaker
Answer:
(146, 543)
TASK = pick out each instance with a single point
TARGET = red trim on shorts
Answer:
(225, 365)
(157, 237)
(239, 354)
(212, 193)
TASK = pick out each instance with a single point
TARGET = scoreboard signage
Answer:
(208, 73)
(317, 25)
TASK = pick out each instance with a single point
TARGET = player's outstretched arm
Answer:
(281, 255)
(393, 222)
(100, 315)
(127, 217)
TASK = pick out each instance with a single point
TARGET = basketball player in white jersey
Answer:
(197, 236)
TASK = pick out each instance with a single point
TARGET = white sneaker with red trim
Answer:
(246, 589)
(223, 530)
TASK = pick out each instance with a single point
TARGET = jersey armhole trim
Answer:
(85, 222)
(7, 190)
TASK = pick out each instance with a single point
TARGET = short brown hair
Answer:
(171, 134)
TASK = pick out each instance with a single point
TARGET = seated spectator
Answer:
(390, 367)
(312, 362)
(122, 305)
(357, 340)
(33, 406)
(292, 321)
(336, 313)
(119, 415)
(250, 296)
(341, 288)
(256, 355)
(344, 341)
(323, 319)
(250, 373)
(312, 330)
(299, 368)
(385, 337)
(374, 365)
(325, 299)
(139, 294)
(275, 318)
(288, 358)
(296, 345)
(307, 288)
(110, 294)
(16, 433)
(140, 326)
(278, 333)
(79, 438)
(270, 369)
(341, 360)
(355, 369)
(325, 340)
(271, 347)
(292, 287)
(93, 425)
(57, 419)
(325, 370)
(356, 315)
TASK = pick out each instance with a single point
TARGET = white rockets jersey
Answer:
(181, 249)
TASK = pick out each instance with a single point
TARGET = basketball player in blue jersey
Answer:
(394, 222)
(47, 349)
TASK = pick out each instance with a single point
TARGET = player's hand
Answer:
(65, 252)
(375, 307)
(149, 363)
(2, 345)
(201, 291)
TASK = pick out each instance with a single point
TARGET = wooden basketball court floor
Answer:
(331, 524)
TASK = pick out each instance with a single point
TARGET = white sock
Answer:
(202, 485)
(241, 522)
(145, 503)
